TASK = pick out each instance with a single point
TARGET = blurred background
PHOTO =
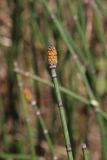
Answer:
(78, 30)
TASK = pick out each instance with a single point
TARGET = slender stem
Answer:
(1, 117)
(26, 114)
(60, 9)
(43, 125)
(81, 13)
(29, 127)
(62, 113)
(102, 8)
(102, 133)
(85, 152)
(15, 156)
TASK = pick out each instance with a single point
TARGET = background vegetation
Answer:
(30, 126)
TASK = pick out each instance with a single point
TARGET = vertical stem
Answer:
(62, 113)
(102, 133)
(85, 152)
(43, 125)
(60, 9)
(29, 127)
(26, 114)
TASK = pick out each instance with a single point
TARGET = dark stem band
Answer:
(60, 104)
(68, 148)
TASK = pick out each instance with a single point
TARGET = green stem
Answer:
(102, 8)
(26, 114)
(85, 152)
(29, 127)
(102, 133)
(43, 125)
(60, 9)
(62, 113)
(81, 13)
(15, 156)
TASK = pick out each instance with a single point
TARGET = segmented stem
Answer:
(52, 59)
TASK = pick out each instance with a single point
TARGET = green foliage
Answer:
(78, 31)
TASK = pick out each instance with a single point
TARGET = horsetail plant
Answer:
(25, 92)
(29, 97)
(52, 60)
(26, 114)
